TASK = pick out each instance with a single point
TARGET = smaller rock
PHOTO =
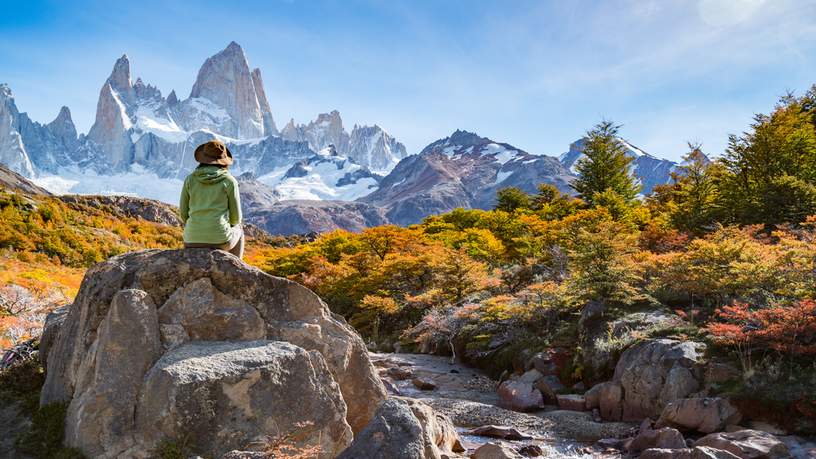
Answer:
(391, 388)
(549, 386)
(423, 384)
(766, 427)
(702, 414)
(505, 433)
(665, 438)
(596, 415)
(244, 455)
(399, 373)
(530, 376)
(494, 451)
(531, 451)
(593, 396)
(606, 443)
(550, 361)
(518, 395)
(571, 402)
(686, 453)
(405, 429)
(610, 401)
(718, 373)
(747, 444)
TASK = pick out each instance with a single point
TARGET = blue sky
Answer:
(535, 74)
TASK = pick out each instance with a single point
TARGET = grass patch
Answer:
(173, 449)
(22, 384)
(44, 439)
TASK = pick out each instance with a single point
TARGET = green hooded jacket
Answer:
(210, 205)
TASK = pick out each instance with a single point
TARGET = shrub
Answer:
(788, 329)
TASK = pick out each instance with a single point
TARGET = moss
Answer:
(22, 383)
(172, 448)
(44, 439)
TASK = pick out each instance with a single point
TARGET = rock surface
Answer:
(494, 451)
(156, 301)
(405, 429)
(705, 415)
(664, 438)
(746, 444)
(655, 372)
(230, 395)
(128, 206)
(547, 425)
(699, 452)
(11, 180)
(519, 395)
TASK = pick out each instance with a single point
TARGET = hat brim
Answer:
(224, 161)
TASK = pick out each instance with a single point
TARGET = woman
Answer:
(210, 204)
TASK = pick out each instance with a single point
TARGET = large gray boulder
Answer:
(135, 311)
(255, 394)
(100, 416)
(655, 372)
(405, 429)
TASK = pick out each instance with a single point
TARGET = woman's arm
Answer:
(234, 202)
(184, 203)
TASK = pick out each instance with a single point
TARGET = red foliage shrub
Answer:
(788, 329)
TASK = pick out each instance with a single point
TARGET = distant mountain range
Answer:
(300, 178)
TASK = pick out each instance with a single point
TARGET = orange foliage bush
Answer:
(788, 329)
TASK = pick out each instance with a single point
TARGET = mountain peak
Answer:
(5, 91)
(233, 46)
(64, 115)
(225, 80)
(263, 102)
(120, 75)
(466, 138)
(63, 126)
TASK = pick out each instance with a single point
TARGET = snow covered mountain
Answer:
(463, 170)
(142, 142)
(369, 146)
(648, 169)
(303, 177)
(323, 176)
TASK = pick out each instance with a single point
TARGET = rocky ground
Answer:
(469, 399)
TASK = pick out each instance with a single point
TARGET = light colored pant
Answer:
(234, 246)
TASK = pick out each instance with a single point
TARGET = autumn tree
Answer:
(511, 198)
(695, 197)
(604, 165)
(601, 263)
(551, 204)
(772, 167)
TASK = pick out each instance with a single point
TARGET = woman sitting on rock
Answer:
(210, 203)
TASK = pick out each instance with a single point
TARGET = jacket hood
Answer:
(210, 174)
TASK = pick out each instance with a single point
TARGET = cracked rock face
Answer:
(656, 372)
(162, 345)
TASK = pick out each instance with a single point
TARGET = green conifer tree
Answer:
(605, 165)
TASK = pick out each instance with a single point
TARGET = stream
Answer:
(468, 397)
